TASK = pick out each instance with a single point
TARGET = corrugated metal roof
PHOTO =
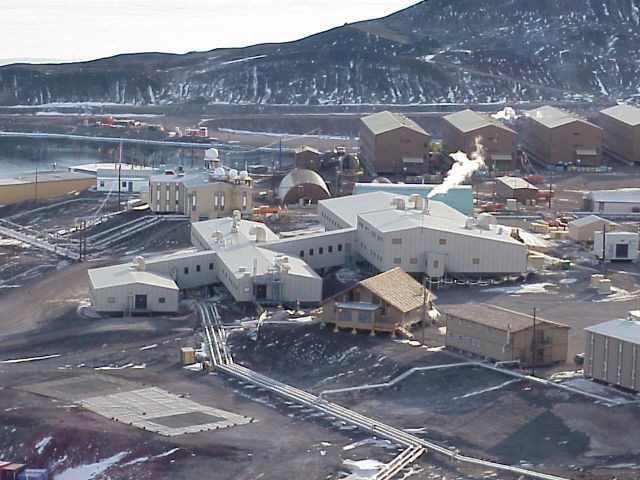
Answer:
(625, 330)
(299, 177)
(397, 288)
(589, 152)
(588, 220)
(553, 117)
(624, 113)
(207, 228)
(516, 183)
(386, 121)
(621, 195)
(495, 317)
(262, 260)
(468, 120)
(127, 274)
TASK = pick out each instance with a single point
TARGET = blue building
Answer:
(460, 197)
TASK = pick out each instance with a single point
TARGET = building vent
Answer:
(417, 200)
(470, 224)
(485, 220)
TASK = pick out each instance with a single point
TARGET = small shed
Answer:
(307, 157)
(302, 185)
(582, 229)
(387, 302)
(618, 246)
(518, 188)
(501, 334)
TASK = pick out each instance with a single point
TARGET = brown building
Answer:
(621, 132)
(518, 188)
(392, 143)
(612, 353)
(386, 302)
(504, 335)
(556, 137)
(28, 186)
(307, 157)
(461, 131)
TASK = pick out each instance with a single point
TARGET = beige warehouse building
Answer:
(461, 130)
(505, 335)
(391, 143)
(582, 229)
(556, 137)
(621, 132)
(28, 186)
(612, 353)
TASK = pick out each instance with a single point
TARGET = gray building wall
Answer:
(611, 360)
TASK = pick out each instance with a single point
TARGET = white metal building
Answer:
(582, 229)
(622, 200)
(618, 246)
(131, 180)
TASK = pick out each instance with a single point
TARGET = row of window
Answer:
(113, 300)
(186, 269)
(311, 251)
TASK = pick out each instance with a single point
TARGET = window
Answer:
(197, 268)
(339, 247)
(311, 252)
(111, 300)
(157, 194)
(124, 184)
(167, 193)
(330, 248)
(102, 183)
(162, 300)
(396, 241)
(211, 266)
(244, 200)
(442, 241)
(436, 263)
(216, 200)
(320, 250)
(413, 261)
(397, 260)
(186, 270)
(222, 200)
(301, 253)
(476, 261)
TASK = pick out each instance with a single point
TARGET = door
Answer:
(141, 302)
(261, 292)
(130, 187)
(622, 250)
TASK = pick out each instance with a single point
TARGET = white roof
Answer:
(395, 220)
(516, 183)
(207, 228)
(468, 120)
(348, 208)
(624, 113)
(626, 330)
(588, 220)
(261, 260)
(127, 274)
(621, 195)
(552, 117)
(386, 121)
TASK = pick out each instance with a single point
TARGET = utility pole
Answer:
(119, 170)
(533, 345)
(604, 243)
(280, 156)
(424, 305)
(35, 193)
(550, 188)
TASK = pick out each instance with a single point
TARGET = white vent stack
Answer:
(138, 263)
(470, 223)
(218, 236)
(235, 227)
(260, 233)
(417, 200)
(398, 203)
(485, 220)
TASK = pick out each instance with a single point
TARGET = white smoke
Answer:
(461, 169)
(507, 113)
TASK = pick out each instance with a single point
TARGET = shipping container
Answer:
(11, 471)
(33, 474)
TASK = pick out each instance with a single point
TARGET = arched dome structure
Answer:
(302, 184)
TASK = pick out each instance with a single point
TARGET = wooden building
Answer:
(621, 132)
(612, 353)
(307, 157)
(462, 130)
(502, 335)
(388, 302)
(391, 143)
(518, 188)
(556, 137)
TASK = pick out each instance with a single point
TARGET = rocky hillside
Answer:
(436, 51)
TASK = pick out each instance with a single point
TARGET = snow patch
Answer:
(87, 472)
